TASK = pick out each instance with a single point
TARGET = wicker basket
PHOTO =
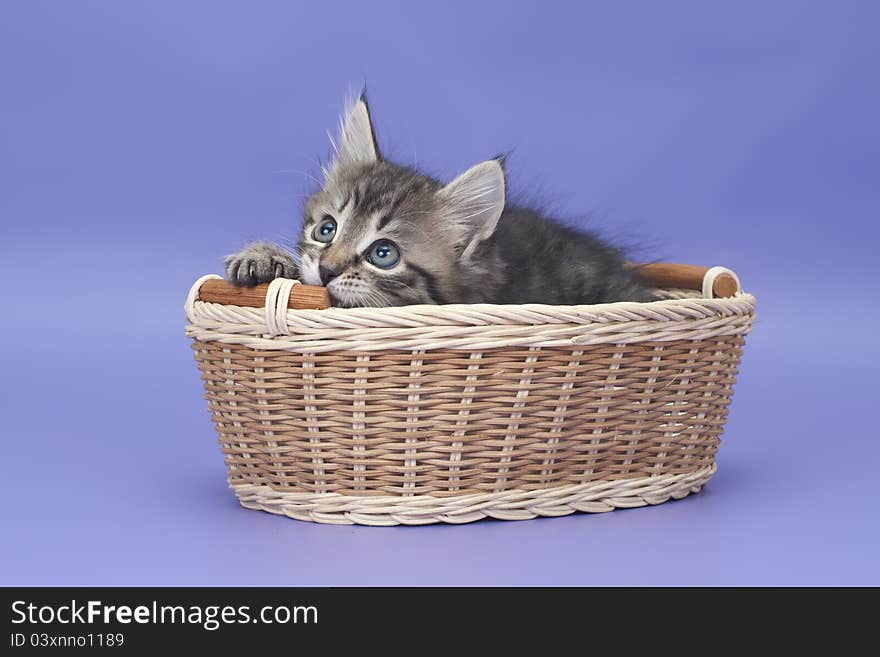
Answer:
(423, 414)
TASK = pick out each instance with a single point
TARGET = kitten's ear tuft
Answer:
(356, 142)
(501, 158)
(472, 204)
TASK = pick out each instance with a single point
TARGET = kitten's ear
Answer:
(356, 142)
(472, 204)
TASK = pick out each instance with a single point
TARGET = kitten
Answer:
(380, 234)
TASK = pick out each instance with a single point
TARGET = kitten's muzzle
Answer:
(326, 274)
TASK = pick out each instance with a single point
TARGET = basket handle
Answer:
(714, 282)
(302, 297)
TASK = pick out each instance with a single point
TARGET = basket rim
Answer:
(477, 327)
(684, 303)
(692, 313)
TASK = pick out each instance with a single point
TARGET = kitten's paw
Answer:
(259, 262)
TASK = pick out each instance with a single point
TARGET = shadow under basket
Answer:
(422, 414)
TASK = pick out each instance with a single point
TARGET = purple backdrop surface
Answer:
(142, 141)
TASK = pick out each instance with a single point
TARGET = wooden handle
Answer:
(313, 297)
(302, 297)
(688, 277)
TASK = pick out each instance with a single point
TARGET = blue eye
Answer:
(326, 230)
(383, 254)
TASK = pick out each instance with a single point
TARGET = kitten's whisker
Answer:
(302, 173)
(333, 141)
(378, 299)
(416, 293)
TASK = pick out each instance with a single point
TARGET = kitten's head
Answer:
(379, 234)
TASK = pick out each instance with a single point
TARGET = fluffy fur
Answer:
(458, 243)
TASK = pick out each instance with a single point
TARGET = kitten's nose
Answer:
(326, 274)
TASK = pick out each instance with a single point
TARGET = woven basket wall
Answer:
(453, 413)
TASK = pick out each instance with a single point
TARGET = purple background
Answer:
(143, 141)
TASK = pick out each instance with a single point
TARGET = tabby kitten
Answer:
(380, 234)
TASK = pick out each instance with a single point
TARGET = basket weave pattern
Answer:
(415, 415)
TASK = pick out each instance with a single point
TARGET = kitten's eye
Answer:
(384, 254)
(326, 230)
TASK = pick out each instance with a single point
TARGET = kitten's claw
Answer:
(259, 262)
